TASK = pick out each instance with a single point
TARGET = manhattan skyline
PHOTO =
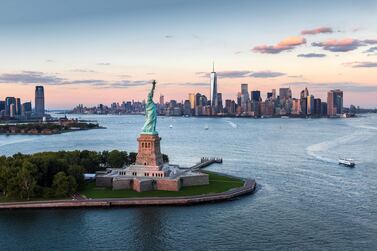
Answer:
(93, 52)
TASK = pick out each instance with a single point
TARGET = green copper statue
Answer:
(150, 113)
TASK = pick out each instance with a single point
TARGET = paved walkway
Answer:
(248, 187)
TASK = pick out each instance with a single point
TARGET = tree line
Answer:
(55, 174)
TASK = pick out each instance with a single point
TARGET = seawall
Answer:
(248, 187)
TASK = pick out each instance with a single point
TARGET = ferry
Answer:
(347, 162)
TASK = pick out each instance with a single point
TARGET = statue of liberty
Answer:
(150, 113)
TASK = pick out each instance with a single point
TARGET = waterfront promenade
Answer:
(248, 187)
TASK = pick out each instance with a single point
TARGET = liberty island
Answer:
(149, 171)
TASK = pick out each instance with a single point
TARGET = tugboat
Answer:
(347, 162)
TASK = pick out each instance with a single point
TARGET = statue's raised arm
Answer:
(150, 113)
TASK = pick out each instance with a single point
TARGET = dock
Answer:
(205, 161)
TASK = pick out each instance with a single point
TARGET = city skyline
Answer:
(94, 54)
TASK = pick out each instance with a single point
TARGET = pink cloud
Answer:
(343, 45)
(285, 44)
(317, 31)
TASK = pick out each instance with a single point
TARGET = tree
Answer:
(77, 172)
(4, 178)
(132, 158)
(117, 159)
(60, 184)
(26, 180)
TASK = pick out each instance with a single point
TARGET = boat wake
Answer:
(11, 142)
(316, 151)
(233, 125)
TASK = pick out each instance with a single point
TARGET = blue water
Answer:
(304, 200)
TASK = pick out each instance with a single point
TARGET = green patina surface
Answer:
(150, 114)
(217, 184)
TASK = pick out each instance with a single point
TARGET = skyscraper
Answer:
(213, 94)
(334, 102)
(285, 93)
(192, 100)
(8, 102)
(255, 96)
(310, 105)
(162, 99)
(39, 101)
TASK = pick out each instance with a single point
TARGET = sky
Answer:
(96, 51)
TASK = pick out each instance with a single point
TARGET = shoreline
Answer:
(248, 188)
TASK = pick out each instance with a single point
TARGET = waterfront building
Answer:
(192, 100)
(2, 105)
(296, 108)
(213, 94)
(8, 102)
(18, 106)
(12, 110)
(285, 93)
(26, 109)
(39, 101)
(219, 105)
(323, 108)
(255, 96)
(310, 105)
(269, 95)
(273, 94)
(244, 97)
(230, 107)
(334, 102)
(187, 108)
(162, 99)
(317, 106)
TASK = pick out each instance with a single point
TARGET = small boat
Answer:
(171, 126)
(206, 127)
(347, 162)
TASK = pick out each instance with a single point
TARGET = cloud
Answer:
(343, 45)
(364, 64)
(103, 64)
(31, 77)
(243, 74)
(193, 84)
(371, 50)
(344, 86)
(266, 74)
(168, 36)
(317, 31)
(233, 74)
(128, 83)
(50, 61)
(83, 70)
(96, 82)
(286, 44)
(312, 55)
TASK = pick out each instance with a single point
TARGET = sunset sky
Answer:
(92, 51)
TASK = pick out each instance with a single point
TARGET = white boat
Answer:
(206, 127)
(171, 126)
(347, 162)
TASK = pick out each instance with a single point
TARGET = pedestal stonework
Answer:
(149, 153)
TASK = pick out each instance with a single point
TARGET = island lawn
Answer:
(217, 184)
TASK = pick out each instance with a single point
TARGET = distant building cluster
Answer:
(12, 108)
(251, 104)
(247, 104)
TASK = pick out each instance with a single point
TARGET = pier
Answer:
(205, 161)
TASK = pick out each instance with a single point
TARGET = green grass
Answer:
(217, 184)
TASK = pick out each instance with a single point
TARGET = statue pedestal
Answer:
(149, 152)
